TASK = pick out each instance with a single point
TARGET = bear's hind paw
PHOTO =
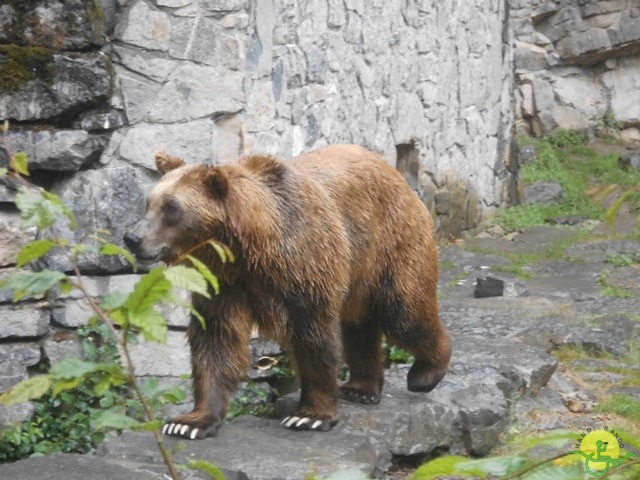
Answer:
(309, 423)
(356, 395)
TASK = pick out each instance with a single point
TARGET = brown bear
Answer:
(331, 247)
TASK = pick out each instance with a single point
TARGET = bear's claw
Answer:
(309, 423)
(357, 396)
(179, 430)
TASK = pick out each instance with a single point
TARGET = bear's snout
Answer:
(132, 241)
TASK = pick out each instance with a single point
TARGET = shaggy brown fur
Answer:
(330, 244)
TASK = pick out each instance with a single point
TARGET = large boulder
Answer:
(38, 84)
(110, 199)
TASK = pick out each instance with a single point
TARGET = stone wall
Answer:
(93, 88)
(577, 66)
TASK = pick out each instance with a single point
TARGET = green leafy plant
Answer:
(565, 157)
(252, 400)
(117, 318)
(62, 423)
(394, 354)
(610, 290)
(622, 259)
(529, 464)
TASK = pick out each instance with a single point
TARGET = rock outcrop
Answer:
(577, 66)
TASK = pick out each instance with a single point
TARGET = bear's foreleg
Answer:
(219, 360)
(317, 362)
(363, 355)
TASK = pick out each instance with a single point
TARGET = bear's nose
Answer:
(132, 241)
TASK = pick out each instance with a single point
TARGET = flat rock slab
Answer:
(72, 467)
(466, 413)
(256, 448)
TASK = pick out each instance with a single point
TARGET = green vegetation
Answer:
(622, 259)
(517, 269)
(22, 65)
(77, 400)
(565, 157)
(395, 355)
(622, 405)
(570, 353)
(610, 290)
(253, 400)
(62, 423)
(535, 461)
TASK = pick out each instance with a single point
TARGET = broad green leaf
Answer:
(33, 251)
(197, 314)
(3, 172)
(153, 390)
(219, 250)
(206, 467)
(189, 306)
(119, 317)
(151, 288)
(65, 384)
(34, 209)
(32, 283)
(102, 386)
(113, 300)
(112, 418)
(150, 323)
(66, 286)
(19, 163)
(111, 249)
(549, 471)
(224, 252)
(70, 368)
(187, 279)
(148, 426)
(55, 200)
(557, 438)
(29, 389)
(495, 465)
(98, 238)
(206, 273)
(449, 465)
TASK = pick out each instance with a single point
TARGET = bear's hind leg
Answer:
(363, 356)
(432, 352)
(420, 332)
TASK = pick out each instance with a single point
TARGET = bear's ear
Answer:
(165, 163)
(271, 169)
(217, 183)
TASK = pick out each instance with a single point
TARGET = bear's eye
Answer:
(171, 211)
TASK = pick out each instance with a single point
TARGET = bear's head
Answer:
(184, 210)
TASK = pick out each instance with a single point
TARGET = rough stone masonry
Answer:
(93, 88)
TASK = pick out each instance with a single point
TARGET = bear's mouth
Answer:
(146, 259)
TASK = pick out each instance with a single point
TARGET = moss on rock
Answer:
(19, 65)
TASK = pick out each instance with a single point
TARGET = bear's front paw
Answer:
(297, 422)
(190, 429)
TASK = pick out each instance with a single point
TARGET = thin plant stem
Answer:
(122, 340)
(534, 466)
